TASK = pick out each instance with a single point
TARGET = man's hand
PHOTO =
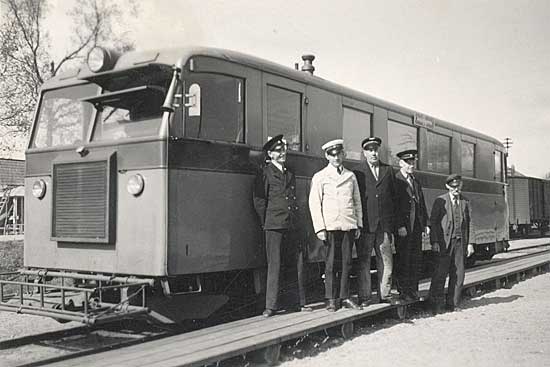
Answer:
(427, 230)
(435, 247)
(357, 233)
(470, 251)
(402, 231)
(322, 235)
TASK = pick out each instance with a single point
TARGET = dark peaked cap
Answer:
(453, 180)
(407, 154)
(371, 140)
(273, 143)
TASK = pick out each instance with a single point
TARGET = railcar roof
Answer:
(180, 56)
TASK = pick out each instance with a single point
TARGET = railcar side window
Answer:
(498, 166)
(400, 137)
(284, 115)
(439, 153)
(222, 109)
(357, 125)
(468, 159)
(63, 119)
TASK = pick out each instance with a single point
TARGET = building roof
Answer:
(12, 172)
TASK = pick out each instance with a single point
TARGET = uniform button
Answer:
(289, 208)
(296, 208)
(286, 197)
(294, 197)
(376, 195)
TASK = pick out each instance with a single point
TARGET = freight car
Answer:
(529, 205)
(140, 169)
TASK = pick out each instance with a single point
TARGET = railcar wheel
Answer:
(346, 330)
(401, 312)
(471, 291)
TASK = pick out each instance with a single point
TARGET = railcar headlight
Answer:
(39, 189)
(100, 59)
(135, 184)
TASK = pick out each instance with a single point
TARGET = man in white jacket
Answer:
(337, 216)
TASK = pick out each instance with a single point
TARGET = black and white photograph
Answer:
(274, 183)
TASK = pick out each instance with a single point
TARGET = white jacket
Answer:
(335, 201)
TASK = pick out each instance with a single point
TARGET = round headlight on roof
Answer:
(39, 189)
(100, 59)
(96, 59)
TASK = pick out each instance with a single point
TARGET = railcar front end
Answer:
(124, 217)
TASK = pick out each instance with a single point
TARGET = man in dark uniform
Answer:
(276, 205)
(450, 235)
(377, 186)
(411, 221)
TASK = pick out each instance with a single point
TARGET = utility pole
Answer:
(507, 144)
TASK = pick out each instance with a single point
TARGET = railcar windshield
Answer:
(63, 119)
(121, 105)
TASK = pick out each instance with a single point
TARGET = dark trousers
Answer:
(381, 242)
(337, 264)
(449, 261)
(409, 261)
(285, 271)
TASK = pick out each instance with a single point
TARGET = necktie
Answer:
(375, 171)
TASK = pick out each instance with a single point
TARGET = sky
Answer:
(482, 64)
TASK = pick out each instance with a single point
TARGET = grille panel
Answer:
(80, 210)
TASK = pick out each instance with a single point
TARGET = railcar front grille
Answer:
(81, 201)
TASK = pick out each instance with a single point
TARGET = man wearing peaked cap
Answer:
(377, 184)
(411, 221)
(450, 239)
(337, 216)
(274, 197)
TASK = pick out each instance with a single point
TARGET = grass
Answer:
(11, 255)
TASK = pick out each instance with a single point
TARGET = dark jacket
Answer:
(275, 198)
(409, 208)
(377, 198)
(441, 220)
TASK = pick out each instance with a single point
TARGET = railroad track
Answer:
(48, 347)
(68, 344)
(515, 254)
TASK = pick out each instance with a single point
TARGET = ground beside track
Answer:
(504, 328)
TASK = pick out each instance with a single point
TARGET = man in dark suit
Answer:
(377, 185)
(411, 221)
(450, 235)
(276, 206)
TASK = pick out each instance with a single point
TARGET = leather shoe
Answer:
(268, 312)
(348, 303)
(304, 308)
(364, 302)
(331, 305)
(391, 300)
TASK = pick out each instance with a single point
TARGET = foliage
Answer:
(27, 60)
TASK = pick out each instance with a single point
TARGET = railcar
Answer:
(529, 205)
(139, 175)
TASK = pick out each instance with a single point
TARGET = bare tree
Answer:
(26, 60)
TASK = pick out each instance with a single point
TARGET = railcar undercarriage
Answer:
(94, 299)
